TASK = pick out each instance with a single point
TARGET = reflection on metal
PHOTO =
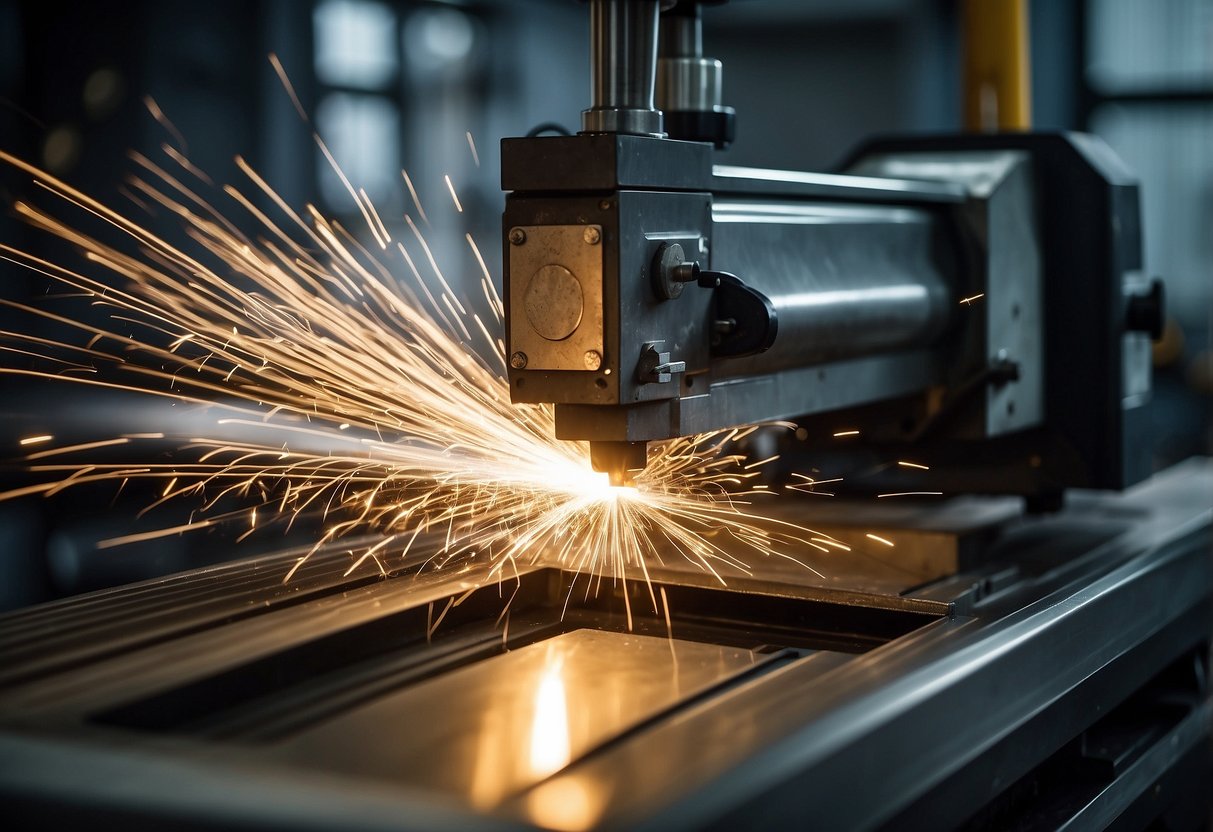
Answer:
(490, 730)
(550, 722)
(571, 803)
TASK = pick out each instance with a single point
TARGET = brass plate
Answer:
(550, 250)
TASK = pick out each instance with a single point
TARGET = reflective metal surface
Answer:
(845, 281)
(689, 83)
(488, 731)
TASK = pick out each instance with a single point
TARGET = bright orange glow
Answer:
(570, 803)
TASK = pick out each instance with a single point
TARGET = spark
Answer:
(472, 146)
(846, 433)
(905, 464)
(807, 485)
(969, 300)
(163, 121)
(379, 406)
(454, 196)
(153, 535)
(288, 86)
(879, 539)
(413, 194)
(912, 494)
(35, 440)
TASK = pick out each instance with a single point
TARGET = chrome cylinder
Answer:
(689, 84)
(623, 66)
(686, 81)
(845, 281)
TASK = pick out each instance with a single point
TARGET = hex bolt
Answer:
(518, 237)
(518, 360)
(593, 359)
(591, 235)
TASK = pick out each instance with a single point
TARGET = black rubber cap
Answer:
(715, 126)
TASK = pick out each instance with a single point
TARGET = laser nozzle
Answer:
(619, 460)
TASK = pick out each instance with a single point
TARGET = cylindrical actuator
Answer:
(845, 280)
(623, 67)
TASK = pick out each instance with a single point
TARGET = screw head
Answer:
(605, 205)
(591, 235)
(593, 359)
(518, 360)
(517, 236)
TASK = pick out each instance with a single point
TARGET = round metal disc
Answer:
(554, 302)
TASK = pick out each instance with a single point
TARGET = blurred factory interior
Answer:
(397, 84)
(1082, 619)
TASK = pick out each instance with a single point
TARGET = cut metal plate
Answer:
(489, 730)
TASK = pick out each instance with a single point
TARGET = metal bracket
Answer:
(655, 367)
(555, 288)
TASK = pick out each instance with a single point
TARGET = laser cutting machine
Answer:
(651, 294)
(1035, 659)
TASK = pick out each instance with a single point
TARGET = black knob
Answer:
(1147, 313)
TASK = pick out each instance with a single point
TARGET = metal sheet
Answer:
(494, 728)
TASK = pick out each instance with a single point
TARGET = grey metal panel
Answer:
(1000, 215)
(758, 398)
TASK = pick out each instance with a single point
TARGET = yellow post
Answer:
(997, 87)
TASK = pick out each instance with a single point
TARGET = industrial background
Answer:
(1018, 638)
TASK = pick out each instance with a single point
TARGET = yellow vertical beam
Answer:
(997, 86)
